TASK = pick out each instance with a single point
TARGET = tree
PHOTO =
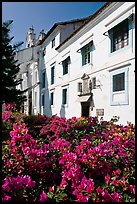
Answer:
(10, 68)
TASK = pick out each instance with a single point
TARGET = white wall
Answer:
(100, 68)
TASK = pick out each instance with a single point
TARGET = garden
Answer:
(54, 159)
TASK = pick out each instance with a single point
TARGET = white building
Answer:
(90, 71)
(31, 60)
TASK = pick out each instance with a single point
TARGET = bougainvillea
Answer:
(79, 159)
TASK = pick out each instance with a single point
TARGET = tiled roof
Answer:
(61, 23)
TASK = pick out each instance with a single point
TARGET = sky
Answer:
(43, 15)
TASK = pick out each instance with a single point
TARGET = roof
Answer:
(88, 19)
(61, 23)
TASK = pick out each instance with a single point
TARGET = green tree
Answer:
(10, 68)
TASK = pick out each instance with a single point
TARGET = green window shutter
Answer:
(83, 55)
(90, 48)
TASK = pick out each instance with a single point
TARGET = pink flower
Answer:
(90, 186)
(107, 196)
(82, 198)
(118, 171)
(115, 182)
(8, 106)
(107, 178)
(63, 183)
(27, 181)
(43, 197)
(51, 189)
(6, 198)
(116, 197)
(132, 189)
(5, 186)
(99, 190)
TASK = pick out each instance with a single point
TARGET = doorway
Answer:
(85, 109)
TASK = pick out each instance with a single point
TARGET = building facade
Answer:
(87, 67)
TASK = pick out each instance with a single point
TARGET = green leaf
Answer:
(50, 195)
(113, 178)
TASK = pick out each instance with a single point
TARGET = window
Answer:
(65, 95)
(43, 100)
(35, 95)
(43, 80)
(119, 36)
(53, 42)
(80, 87)
(86, 54)
(51, 98)
(119, 86)
(119, 82)
(94, 83)
(65, 64)
(53, 75)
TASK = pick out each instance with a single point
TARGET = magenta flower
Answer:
(6, 198)
(107, 196)
(116, 197)
(115, 182)
(107, 179)
(82, 198)
(64, 183)
(132, 189)
(43, 197)
(99, 190)
(90, 186)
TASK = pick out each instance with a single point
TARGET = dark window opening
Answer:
(65, 64)
(119, 82)
(64, 98)
(43, 80)
(80, 87)
(52, 74)
(43, 100)
(94, 83)
(53, 42)
(51, 98)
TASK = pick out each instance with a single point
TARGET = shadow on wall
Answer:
(62, 111)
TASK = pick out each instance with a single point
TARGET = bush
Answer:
(80, 159)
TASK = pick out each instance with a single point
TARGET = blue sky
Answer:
(43, 15)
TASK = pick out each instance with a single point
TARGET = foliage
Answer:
(10, 68)
(78, 159)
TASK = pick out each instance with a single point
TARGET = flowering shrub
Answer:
(78, 159)
(9, 116)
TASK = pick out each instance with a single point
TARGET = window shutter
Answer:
(43, 100)
(90, 48)
(83, 55)
(43, 80)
